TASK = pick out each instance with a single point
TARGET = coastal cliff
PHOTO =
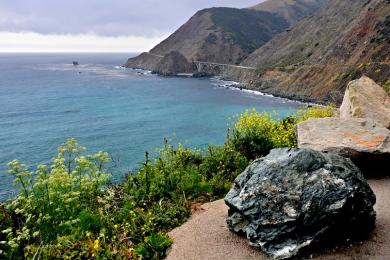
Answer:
(227, 35)
(299, 49)
(341, 42)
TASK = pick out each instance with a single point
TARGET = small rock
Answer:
(366, 99)
(296, 199)
(365, 142)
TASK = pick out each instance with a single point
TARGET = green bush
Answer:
(154, 246)
(5, 223)
(52, 199)
(185, 174)
(387, 86)
(254, 134)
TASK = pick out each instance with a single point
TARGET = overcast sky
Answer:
(95, 25)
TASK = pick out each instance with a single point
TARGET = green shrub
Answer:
(181, 174)
(89, 222)
(316, 112)
(250, 135)
(172, 175)
(154, 246)
(222, 162)
(387, 86)
(254, 134)
(6, 249)
(52, 199)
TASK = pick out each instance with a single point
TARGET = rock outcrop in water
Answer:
(366, 99)
(144, 61)
(174, 63)
(295, 199)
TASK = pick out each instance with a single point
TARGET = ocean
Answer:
(44, 100)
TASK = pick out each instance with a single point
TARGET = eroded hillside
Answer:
(340, 42)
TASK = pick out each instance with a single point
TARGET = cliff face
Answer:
(144, 61)
(172, 64)
(229, 35)
(339, 43)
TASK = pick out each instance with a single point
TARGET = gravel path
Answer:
(205, 236)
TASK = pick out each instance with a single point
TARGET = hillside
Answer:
(224, 35)
(227, 35)
(291, 10)
(322, 52)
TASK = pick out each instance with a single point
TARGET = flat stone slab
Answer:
(365, 141)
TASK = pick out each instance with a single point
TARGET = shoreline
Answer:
(221, 82)
(235, 85)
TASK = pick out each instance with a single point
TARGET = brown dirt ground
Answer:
(205, 235)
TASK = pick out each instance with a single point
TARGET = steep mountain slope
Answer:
(340, 42)
(228, 35)
(291, 10)
(224, 35)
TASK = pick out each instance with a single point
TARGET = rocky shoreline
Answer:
(241, 84)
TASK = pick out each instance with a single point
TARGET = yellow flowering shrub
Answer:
(316, 112)
(254, 134)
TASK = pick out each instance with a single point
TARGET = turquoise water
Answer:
(44, 100)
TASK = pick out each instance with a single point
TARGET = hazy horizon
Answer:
(43, 26)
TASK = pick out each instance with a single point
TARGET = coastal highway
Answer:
(209, 63)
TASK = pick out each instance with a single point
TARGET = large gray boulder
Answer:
(365, 142)
(366, 99)
(296, 199)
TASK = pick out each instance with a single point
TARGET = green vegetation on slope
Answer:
(242, 26)
(70, 210)
(291, 10)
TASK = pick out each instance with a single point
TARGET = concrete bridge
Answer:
(201, 65)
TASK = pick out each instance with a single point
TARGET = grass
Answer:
(68, 209)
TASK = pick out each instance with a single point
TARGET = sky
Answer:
(95, 25)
